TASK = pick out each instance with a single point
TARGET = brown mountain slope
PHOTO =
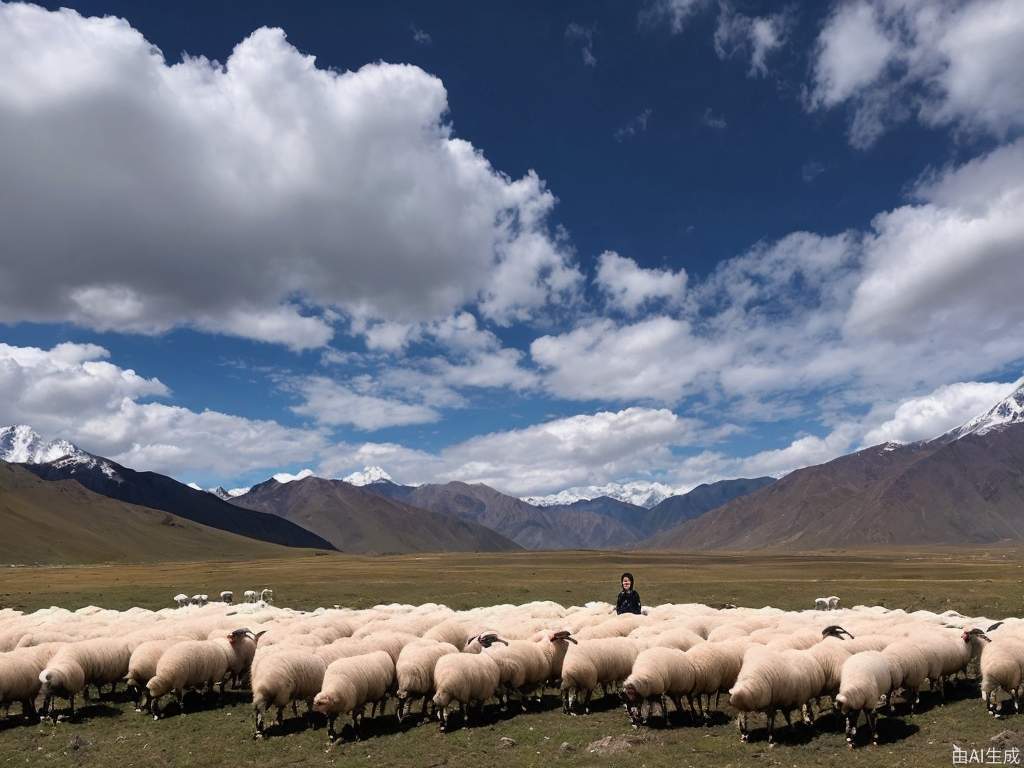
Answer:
(61, 522)
(969, 491)
(354, 520)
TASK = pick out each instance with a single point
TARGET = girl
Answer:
(629, 598)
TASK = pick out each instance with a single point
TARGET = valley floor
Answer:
(986, 582)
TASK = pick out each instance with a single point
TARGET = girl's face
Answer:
(627, 584)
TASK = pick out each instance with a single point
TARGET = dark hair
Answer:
(628, 575)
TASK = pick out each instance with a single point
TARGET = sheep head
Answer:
(834, 630)
(564, 634)
(975, 634)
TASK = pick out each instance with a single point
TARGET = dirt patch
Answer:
(616, 745)
(1008, 739)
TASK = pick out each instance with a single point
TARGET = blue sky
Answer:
(668, 241)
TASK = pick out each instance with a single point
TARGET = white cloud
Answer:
(585, 36)
(711, 120)
(629, 287)
(331, 403)
(633, 126)
(753, 36)
(72, 392)
(946, 62)
(252, 197)
(576, 450)
(947, 407)
(675, 13)
(421, 36)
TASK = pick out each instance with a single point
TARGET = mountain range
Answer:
(963, 487)
(59, 502)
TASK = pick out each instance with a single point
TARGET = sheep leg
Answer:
(741, 722)
(717, 694)
(28, 709)
(586, 701)
(258, 733)
(331, 733)
(771, 727)
(872, 718)
(442, 715)
(71, 707)
(295, 708)
(851, 727)
(280, 715)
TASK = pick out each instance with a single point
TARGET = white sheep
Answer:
(188, 665)
(821, 603)
(267, 596)
(866, 678)
(716, 667)
(658, 673)
(19, 676)
(98, 661)
(227, 596)
(414, 672)
(181, 600)
(1002, 668)
(602, 661)
(833, 603)
(771, 681)
(466, 679)
(250, 596)
(524, 664)
(142, 666)
(284, 677)
(908, 667)
(350, 684)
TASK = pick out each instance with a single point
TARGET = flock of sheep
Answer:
(339, 662)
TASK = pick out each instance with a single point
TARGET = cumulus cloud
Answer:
(255, 197)
(332, 403)
(575, 450)
(71, 391)
(628, 286)
(753, 36)
(945, 62)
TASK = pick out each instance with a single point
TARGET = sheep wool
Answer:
(281, 678)
(464, 679)
(184, 666)
(414, 672)
(865, 679)
(353, 682)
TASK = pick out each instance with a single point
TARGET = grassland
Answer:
(110, 733)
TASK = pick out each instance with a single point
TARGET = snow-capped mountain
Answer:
(368, 476)
(1007, 411)
(639, 492)
(21, 444)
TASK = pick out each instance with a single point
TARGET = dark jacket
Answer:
(628, 602)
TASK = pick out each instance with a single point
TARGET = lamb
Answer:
(1002, 667)
(142, 667)
(99, 661)
(187, 665)
(267, 596)
(250, 596)
(596, 662)
(821, 603)
(865, 679)
(465, 679)
(658, 672)
(352, 683)
(414, 672)
(775, 680)
(227, 596)
(833, 603)
(181, 600)
(284, 677)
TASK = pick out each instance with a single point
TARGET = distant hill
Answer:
(703, 498)
(356, 520)
(61, 522)
(156, 491)
(965, 487)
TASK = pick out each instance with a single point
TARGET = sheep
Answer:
(595, 662)
(352, 683)
(142, 667)
(250, 596)
(465, 679)
(184, 666)
(525, 666)
(775, 680)
(19, 676)
(240, 647)
(716, 667)
(282, 678)
(833, 603)
(908, 667)
(227, 596)
(1002, 667)
(414, 672)
(181, 600)
(865, 679)
(554, 645)
(821, 603)
(99, 661)
(658, 672)
(267, 596)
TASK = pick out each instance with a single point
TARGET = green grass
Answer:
(112, 734)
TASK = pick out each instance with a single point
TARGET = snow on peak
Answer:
(639, 492)
(368, 476)
(226, 494)
(286, 477)
(1009, 410)
(23, 445)
(195, 486)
